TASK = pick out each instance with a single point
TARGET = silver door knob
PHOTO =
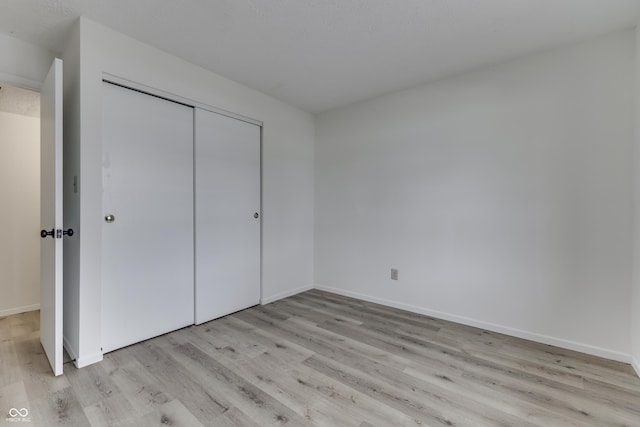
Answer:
(109, 218)
(256, 215)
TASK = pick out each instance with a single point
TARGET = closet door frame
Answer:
(112, 78)
(136, 86)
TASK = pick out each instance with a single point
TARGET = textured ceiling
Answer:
(19, 101)
(320, 54)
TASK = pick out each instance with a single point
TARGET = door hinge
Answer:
(60, 233)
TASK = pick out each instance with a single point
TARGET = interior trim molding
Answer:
(81, 362)
(121, 81)
(532, 336)
(18, 310)
(286, 294)
(636, 365)
(13, 80)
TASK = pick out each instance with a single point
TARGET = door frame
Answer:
(149, 90)
(36, 86)
(16, 81)
(129, 84)
(20, 82)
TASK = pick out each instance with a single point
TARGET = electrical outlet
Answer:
(394, 274)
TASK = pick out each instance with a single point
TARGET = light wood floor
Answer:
(317, 359)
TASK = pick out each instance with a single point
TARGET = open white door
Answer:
(51, 216)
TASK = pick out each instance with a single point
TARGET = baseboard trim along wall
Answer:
(81, 362)
(543, 339)
(86, 361)
(272, 298)
(18, 310)
(636, 365)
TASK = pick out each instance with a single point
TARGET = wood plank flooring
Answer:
(318, 359)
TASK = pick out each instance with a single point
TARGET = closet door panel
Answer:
(227, 195)
(147, 245)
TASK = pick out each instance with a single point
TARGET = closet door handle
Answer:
(256, 215)
(109, 218)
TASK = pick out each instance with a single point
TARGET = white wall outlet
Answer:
(394, 274)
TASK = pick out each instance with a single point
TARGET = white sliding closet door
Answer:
(147, 234)
(227, 171)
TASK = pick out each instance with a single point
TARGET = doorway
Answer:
(20, 194)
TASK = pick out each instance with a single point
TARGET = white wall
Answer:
(20, 213)
(23, 64)
(635, 301)
(503, 196)
(288, 137)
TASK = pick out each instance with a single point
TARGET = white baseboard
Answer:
(532, 336)
(636, 365)
(267, 300)
(18, 310)
(86, 361)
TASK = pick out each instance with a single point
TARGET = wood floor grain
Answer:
(318, 359)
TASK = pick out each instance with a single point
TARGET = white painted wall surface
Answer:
(19, 213)
(287, 168)
(22, 63)
(502, 195)
(635, 300)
